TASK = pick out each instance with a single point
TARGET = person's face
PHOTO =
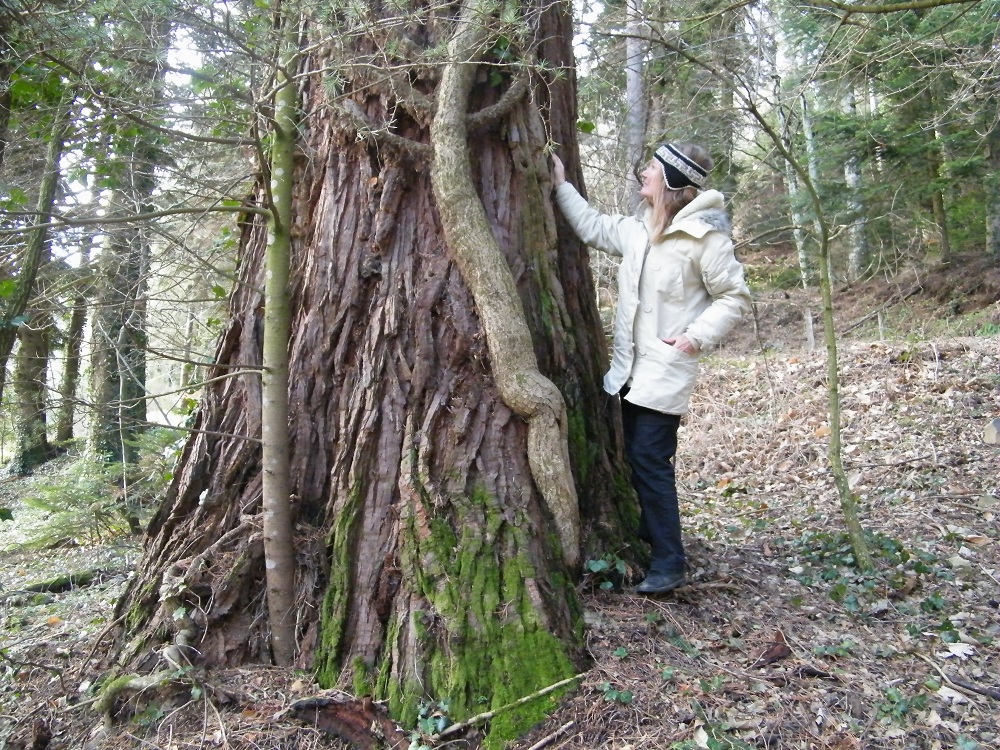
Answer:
(652, 181)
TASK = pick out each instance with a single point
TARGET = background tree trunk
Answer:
(635, 98)
(30, 393)
(118, 372)
(7, 57)
(36, 251)
(812, 163)
(938, 203)
(727, 51)
(422, 542)
(5, 97)
(807, 270)
(858, 253)
(992, 183)
(72, 346)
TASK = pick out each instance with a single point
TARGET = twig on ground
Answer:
(99, 640)
(954, 501)
(968, 685)
(961, 686)
(550, 738)
(891, 463)
(490, 714)
(16, 665)
(218, 717)
(716, 585)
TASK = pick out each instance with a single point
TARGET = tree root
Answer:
(105, 702)
(361, 722)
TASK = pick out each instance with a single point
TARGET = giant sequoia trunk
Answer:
(430, 568)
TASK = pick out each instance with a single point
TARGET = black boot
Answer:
(660, 583)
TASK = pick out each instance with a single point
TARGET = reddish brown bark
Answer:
(420, 534)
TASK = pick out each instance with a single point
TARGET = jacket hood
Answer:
(708, 207)
(707, 212)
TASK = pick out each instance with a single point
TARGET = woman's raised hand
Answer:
(558, 171)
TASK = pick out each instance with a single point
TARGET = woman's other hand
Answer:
(558, 171)
(683, 343)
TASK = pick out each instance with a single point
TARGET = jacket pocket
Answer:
(670, 267)
(669, 284)
(663, 378)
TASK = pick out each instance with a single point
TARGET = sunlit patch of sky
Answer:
(586, 13)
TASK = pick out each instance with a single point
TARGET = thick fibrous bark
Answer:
(429, 566)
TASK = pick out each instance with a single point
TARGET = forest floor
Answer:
(778, 641)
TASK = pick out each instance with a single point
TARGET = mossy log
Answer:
(67, 581)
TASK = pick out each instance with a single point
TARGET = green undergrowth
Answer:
(86, 500)
(908, 582)
(826, 560)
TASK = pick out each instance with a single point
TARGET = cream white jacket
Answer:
(688, 282)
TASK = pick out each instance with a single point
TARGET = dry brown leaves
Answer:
(778, 642)
(804, 652)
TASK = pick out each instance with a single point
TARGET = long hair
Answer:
(668, 202)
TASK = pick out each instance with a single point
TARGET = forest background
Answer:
(141, 158)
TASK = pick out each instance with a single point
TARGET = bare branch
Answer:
(851, 9)
(128, 218)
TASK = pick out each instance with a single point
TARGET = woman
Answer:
(680, 290)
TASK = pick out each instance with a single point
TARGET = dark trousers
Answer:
(650, 444)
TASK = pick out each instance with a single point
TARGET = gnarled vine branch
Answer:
(522, 387)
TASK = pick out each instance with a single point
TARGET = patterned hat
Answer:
(679, 171)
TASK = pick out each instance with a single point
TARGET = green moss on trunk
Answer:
(144, 604)
(472, 638)
(581, 449)
(333, 616)
(488, 646)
